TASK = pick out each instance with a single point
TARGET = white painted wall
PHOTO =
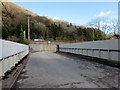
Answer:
(103, 44)
(10, 54)
(8, 48)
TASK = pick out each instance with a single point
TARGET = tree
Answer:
(21, 40)
(5, 30)
(35, 32)
(114, 26)
(95, 23)
(55, 30)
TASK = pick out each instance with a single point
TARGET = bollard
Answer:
(58, 48)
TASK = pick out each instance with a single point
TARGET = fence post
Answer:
(92, 52)
(109, 54)
(99, 53)
(87, 52)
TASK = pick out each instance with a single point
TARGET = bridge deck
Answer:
(55, 70)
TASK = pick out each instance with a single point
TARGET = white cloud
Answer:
(101, 14)
(56, 18)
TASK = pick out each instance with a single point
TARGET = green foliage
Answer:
(87, 34)
(54, 31)
(5, 30)
(35, 32)
(117, 36)
(21, 40)
(43, 27)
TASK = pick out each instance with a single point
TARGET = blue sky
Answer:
(79, 13)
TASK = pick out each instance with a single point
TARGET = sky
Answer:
(78, 13)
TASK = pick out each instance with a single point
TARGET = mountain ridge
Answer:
(14, 13)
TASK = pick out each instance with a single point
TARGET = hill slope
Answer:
(14, 13)
(15, 22)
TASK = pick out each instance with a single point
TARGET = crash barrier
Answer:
(11, 53)
(105, 49)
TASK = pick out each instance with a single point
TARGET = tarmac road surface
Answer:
(57, 70)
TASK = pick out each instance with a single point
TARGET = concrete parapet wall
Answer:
(105, 49)
(12, 53)
(43, 47)
(9, 48)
